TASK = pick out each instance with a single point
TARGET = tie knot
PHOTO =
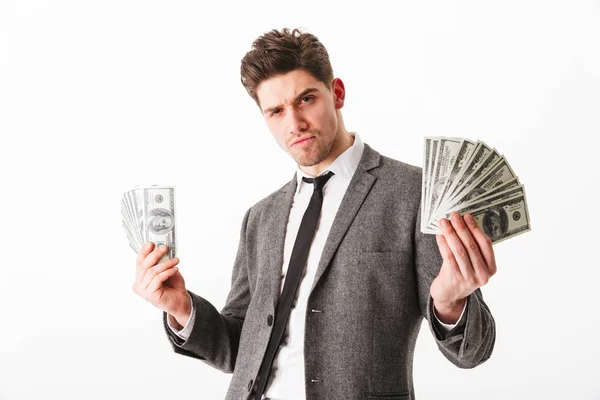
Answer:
(319, 181)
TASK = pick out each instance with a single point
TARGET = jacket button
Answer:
(250, 384)
(270, 320)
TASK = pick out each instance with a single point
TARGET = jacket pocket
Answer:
(388, 396)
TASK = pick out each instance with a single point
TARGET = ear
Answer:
(339, 92)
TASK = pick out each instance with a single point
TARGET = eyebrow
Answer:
(304, 93)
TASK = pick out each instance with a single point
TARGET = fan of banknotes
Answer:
(471, 177)
(149, 215)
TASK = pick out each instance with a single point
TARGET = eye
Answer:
(308, 97)
(275, 111)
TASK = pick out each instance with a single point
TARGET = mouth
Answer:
(303, 142)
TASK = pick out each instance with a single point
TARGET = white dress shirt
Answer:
(286, 381)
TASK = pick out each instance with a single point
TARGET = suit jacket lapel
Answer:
(277, 225)
(355, 195)
(357, 191)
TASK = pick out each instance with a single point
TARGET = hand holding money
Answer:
(148, 215)
(469, 263)
(161, 283)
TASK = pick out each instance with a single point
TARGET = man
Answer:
(330, 310)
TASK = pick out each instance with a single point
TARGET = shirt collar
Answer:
(343, 166)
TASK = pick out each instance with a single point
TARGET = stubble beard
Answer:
(315, 155)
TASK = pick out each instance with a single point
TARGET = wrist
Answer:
(449, 312)
(183, 315)
(173, 323)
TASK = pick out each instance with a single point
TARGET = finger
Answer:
(457, 248)
(472, 247)
(159, 279)
(158, 269)
(484, 242)
(144, 251)
(152, 258)
(447, 254)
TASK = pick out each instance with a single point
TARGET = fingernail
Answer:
(444, 222)
(162, 247)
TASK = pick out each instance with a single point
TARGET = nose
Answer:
(297, 122)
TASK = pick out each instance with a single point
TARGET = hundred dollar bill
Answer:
(447, 152)
(464, 153)
(128, 213)
(490, 161)
(497, 174)
(490, 201)
(435, 160)
(133, 240)
(479, 155)
(478, 195)
(430, 160)
(136, 196)
(159, 217)
(505, 219)
(126, 216)
(470, 177)
(503, 192)
(427, 147)
(132, 243)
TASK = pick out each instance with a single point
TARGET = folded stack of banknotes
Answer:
(471, 177)
(149, 216)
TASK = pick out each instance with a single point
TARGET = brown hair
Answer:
(280, 52)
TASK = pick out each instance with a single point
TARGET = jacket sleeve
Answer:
(215, 336)
(471, 341)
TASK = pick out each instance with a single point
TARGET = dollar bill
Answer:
(489, 201)
(137, 202)
(494, 175)
(431, 156)
(159, 217)
(481, 170)
(505, 219)
(511, 183)
(467, 176)
(447, 152)
(480, 154)
(426, 157)
(464, 153)
(128, 208)
(127, 217)
(148, 214)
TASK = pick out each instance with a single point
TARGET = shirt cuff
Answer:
(187, 329)
(448, 327)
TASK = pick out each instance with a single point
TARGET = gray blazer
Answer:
(367, 301)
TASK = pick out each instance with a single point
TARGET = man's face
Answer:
(298, 106)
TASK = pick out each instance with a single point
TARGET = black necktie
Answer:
(292, 281)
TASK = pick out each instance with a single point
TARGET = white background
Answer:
(96, 97)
